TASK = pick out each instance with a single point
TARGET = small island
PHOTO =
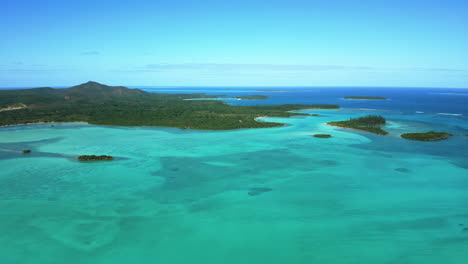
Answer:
(367, 123)
(426, 136)
(251, 97)
(26, 151)
(315, 115)
(95, 158)
(365, 98)
(322, 136)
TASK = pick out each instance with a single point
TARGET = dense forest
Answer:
(115, 105)
(369, 123)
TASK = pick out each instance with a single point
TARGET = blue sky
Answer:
(234, 43)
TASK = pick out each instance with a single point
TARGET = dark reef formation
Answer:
(258, 190)
(95, 158)
(402, 170)
(322, 136)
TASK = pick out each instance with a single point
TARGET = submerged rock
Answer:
(402, 169)
(465, 229)
(258, 190)
(94, 158)
(322, 136)
(328, 162)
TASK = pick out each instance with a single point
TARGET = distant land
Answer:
(365, 98)
(100, 104)
(269, 90)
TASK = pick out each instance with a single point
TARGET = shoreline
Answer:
(143, 126)
(44, 123)
(259, 117)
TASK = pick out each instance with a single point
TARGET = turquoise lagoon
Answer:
(190, 196)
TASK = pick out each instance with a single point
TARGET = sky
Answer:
(395, 43)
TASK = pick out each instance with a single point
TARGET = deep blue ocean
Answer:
(270, 195)
(406, 100)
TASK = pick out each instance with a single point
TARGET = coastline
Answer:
(259, 117)
(44, 123)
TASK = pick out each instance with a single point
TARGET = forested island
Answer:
(369, 123)
(365, 98)
(426, 136)
(100, 104)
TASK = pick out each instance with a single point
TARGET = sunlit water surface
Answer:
(273, 195)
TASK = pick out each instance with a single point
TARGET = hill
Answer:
(85, 92)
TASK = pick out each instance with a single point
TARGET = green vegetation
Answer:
(26, 151)
(252, 97)
(367, 123)
(315, 115)
(427, 136)
(94, 158)
(107, 105)
(365, 98)
(322, 136)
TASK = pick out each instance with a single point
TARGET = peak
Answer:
(93, 89)
(89, 84)
(93, 82)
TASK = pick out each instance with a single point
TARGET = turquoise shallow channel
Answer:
(274, 195)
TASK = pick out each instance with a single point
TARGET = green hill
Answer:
(86, 92)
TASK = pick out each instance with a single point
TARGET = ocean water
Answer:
(272, 195)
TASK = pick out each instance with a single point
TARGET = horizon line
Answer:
(237, 86)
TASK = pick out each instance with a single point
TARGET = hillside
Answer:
(85, 92)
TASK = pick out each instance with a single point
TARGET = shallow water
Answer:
(274, 195)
